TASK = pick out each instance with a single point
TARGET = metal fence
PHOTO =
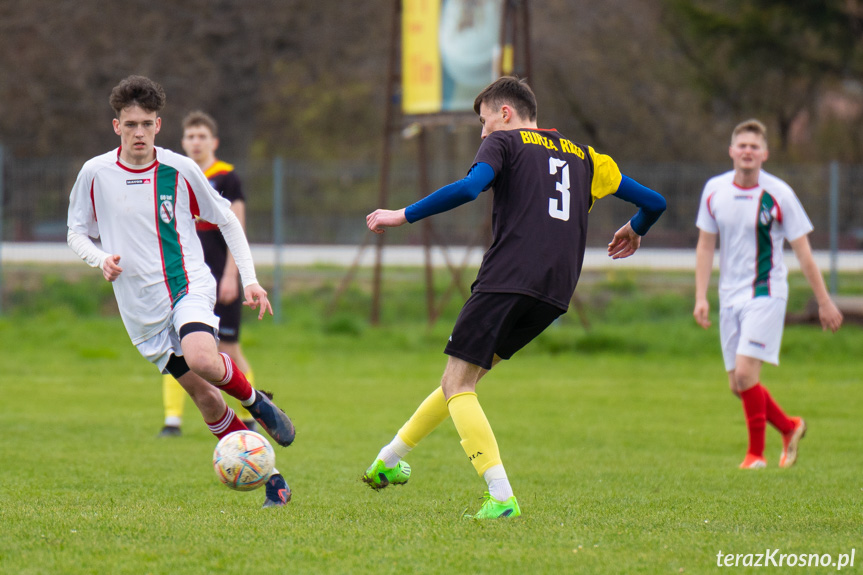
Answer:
(326, 203)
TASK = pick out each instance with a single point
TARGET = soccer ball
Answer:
(243, 460)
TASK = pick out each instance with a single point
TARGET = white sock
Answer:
(394, 452)
(251, 400)
(498, 484)
(173, 421)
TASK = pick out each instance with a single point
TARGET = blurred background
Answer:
(656, 84)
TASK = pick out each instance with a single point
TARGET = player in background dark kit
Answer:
(200, 142)
(142, 200)
(544, 186)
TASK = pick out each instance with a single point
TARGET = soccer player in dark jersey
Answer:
(200, 142)
(544, 186)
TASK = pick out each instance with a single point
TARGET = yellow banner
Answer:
(421, 69)
(449, 49)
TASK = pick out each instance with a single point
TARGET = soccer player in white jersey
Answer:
(142, 201)
(753, 213)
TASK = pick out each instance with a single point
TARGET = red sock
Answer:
(755, 408)
(234, 383)
(228, 423)
(775, 415)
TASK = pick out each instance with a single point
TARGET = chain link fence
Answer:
(326, 204)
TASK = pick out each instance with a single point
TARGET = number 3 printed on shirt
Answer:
(559, 209)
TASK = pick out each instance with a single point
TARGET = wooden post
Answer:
(389, 122)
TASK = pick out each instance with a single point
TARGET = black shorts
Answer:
(229, 319)
(500, 324)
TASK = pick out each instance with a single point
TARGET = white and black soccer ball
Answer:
(243, 460)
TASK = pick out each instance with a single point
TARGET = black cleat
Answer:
(251, 424)
(170, 431)
(278, 492)
(274, 421)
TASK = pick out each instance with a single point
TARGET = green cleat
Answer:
(494, 509)
(379, 476)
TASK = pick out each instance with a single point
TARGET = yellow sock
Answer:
(431, 413)
(241, 411)
(174, 399)
(477, 438)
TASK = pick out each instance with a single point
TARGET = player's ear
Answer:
(215, 144)
(506, 112)
(116, 124)
(158, 125)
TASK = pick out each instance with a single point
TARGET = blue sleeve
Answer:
(478, 179)
(651, 204)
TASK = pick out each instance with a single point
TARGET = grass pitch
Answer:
(621, 443)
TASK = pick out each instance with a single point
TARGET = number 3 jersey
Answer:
(544, 187)
(146, 216)
(752, 224)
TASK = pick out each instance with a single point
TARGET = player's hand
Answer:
(257, 296)
(624, 243)
(701, 313)
(380, 219)
(229, 290)
(830, 316)
(111, 269)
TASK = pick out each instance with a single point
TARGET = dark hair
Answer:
(137, 91)
(199, 118)
(509, 90)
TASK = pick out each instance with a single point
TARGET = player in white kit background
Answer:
(141, 200)
(753, 213)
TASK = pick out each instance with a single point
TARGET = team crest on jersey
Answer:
(767, 215)
(166, 211)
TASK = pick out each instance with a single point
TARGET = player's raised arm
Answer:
(651, 205)
(478, 179)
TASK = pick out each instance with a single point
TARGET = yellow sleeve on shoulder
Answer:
(219, 167)
(606, 175)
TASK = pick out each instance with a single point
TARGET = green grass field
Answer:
(621, 442)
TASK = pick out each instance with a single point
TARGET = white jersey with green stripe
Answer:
(147, 217)
(752, 224)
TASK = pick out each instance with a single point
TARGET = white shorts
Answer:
(191, 308)
(752, 328)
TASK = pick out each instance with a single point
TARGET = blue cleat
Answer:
(278, 492)
(272, 419)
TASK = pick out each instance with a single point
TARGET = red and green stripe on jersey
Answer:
(170, 247)
(768, 212)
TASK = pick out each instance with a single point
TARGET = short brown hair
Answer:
(199, 118)
(750, 125)
(137, 91)
(509, 90)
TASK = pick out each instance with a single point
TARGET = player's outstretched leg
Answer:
(378, 475)
(278, 492)
(388, 467)
(271, 418)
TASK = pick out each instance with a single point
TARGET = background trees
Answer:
(660, 80)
